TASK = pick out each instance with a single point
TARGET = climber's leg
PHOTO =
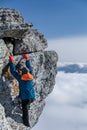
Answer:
(31, 100)
(25, 112)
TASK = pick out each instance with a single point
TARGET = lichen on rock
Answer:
(17, 37)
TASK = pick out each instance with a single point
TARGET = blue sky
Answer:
(54, 18)
(63, 23)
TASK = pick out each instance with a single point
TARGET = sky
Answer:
(66, 106)
(58, 20)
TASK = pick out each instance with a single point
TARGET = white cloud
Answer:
(66, 107)
(73, 49)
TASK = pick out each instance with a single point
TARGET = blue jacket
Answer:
(26, 89)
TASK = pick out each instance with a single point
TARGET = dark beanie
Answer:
(21, 67)
(24, 70)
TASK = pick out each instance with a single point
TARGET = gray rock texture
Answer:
(44, 65)
(4, 125)
(12, 23)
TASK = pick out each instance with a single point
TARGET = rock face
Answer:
(17, 37)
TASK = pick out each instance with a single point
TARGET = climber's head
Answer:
(21, 69)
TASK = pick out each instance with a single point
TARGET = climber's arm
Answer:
(28, 65)
(13, 68)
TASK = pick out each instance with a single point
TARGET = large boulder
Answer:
(43, 63)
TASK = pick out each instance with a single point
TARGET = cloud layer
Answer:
(66, 107)
(72, 49)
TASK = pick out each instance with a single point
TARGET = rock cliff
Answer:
(18, 37)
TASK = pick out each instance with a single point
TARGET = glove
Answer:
(11, 58)
(25, 56)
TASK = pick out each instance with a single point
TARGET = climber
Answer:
(25, 79)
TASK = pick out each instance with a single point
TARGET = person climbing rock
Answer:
(23, 74)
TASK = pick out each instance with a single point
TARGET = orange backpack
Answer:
(27, 76)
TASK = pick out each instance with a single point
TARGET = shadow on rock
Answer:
(12, 106)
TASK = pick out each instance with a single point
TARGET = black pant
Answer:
(25, 111)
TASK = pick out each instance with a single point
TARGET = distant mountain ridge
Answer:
(73, 68)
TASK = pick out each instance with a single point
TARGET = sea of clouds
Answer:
(66, 106)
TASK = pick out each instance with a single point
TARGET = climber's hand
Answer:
(26, 56)
(11, 58)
